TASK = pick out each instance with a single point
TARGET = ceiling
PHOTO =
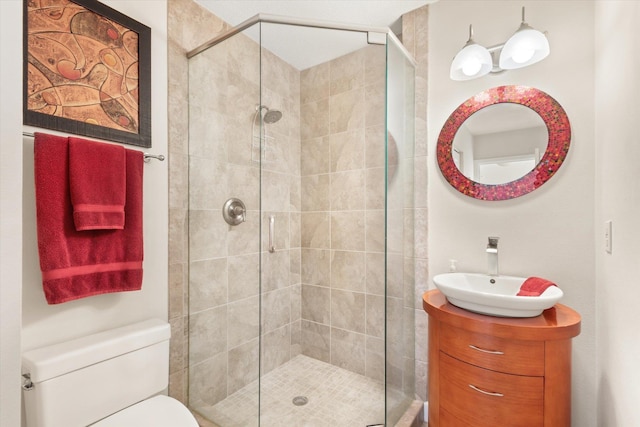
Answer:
(306, 47)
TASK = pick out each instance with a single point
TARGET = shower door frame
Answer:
(376, 36)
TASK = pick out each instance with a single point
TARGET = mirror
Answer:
(499, 143)
(503, 143)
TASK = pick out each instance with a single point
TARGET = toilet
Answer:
(109, 379)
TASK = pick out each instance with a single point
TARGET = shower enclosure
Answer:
(301, 291)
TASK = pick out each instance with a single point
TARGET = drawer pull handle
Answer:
(485, 350)
(489, 393)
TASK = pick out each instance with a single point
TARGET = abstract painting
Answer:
(87, 71)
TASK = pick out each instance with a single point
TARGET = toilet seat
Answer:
(158, 411)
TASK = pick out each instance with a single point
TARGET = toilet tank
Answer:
(79, 382)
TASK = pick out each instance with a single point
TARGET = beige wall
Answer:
(617, 200)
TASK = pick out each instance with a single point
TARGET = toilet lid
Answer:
(158, 411)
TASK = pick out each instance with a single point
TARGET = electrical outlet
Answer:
(608, 236)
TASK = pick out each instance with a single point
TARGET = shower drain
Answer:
(300, 400)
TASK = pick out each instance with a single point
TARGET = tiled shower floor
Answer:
(336, 398)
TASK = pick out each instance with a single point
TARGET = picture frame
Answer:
(87, 71)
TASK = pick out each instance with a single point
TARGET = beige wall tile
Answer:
(316, 304)
(347, 72)
(315, 267)
(315, 230)
(314, 119)
(375, 268)
(244, 321)
(374, 146)
(347, 150)
(375, 230)
(375, 189)
(375, 315)
(275, 270)
(295, 274)
(315, 192)
(348, 310)
(244, 276)
(348, 270)
(375, 360)
(348, 350)
(208, 235)
(348, 190)
(316, 340)
(208, 381)
(178, 232)
(374, 100)
(207, 284)
(276, 349)
(375, 66)
(243, 365)
(242, 238)
(177, 356)
(207, 334)
(243, 183)
(315, 157)
(178, 278)
(347, 230)
(276, 309)
(347, 111)
(314, 83)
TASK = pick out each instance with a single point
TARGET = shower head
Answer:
(272, 116)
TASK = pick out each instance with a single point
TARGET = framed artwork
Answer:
(87, 71)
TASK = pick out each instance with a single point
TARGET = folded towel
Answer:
(97, 180)
(534, 286)
(77, 264)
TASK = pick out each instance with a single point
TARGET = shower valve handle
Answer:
(234, 211)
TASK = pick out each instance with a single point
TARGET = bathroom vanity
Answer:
(490, 371)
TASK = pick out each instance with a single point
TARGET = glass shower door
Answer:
(399, 225)
(224, 258)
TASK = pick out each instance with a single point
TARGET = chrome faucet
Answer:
(492, 253)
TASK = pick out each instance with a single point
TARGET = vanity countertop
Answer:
(557, 323)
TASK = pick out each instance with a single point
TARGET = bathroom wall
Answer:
(618, 200)
(44, 324)
(10, 213)
(26, 321)
(549, 232)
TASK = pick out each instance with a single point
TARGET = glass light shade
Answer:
(471, 62)
(527, 46)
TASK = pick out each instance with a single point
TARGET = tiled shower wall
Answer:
(415, 26)
(342, 168)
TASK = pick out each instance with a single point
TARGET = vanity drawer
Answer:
(481, 397)
(498, 354)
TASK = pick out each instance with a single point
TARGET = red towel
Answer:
(77, 264)
(97, 180)
(534, 286)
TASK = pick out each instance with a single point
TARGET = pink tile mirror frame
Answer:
(551, 112)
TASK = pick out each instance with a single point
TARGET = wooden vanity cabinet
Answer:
(495, 371)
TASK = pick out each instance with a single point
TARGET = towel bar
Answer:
(147, 156)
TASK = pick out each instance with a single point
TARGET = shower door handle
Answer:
(272, 225)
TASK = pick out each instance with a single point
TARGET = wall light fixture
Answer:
(525, 47)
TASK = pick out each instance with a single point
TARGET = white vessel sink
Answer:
(476, 292)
